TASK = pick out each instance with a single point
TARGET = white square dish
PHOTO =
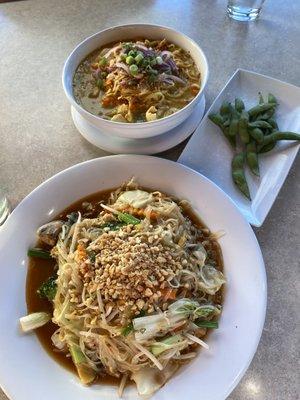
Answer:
(209, 152)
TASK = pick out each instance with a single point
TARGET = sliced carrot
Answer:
(81, 252)
(169, 293)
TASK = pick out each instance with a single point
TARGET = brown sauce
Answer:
(39, 270)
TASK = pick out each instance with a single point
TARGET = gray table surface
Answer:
(38, 138)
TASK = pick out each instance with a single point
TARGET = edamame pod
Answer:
(260, 124)
(273, 123)
(257, 135)
(252, 158)
(272, 99)
(234, 124)
(261, 108)
(239, 105)
(243, 127)
(266, 148)
(261, 99)
(275, 136)
(225, 108)
(238, 174)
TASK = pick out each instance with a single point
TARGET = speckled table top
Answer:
(38, 138)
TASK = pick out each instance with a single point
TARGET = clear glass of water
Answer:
(4, 207)
(244, 10)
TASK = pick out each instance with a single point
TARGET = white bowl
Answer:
(27, 371)
(132, 31)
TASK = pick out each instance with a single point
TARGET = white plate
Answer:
(27, 371)
(152, 145)
(209, 152)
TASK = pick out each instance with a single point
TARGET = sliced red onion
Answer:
(141, 46)
(172, 64)
(177, 79)
(166, 54)
(123, 66)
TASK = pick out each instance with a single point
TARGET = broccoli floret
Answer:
(48, 289)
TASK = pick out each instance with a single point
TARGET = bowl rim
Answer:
(72, 100)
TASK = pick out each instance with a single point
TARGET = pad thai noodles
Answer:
(136, 81)
(137, 285)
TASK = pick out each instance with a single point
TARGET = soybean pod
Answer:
(261, 108)
(276, 136)
(238, 174)
(239, 105)
(234, 124)
(243, 127)
(260, 124)
(266, 148)
(272, 99)
(257, 135)
(252, 158)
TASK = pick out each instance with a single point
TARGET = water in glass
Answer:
(244, 10)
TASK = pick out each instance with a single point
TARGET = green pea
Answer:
(252, 158)
(129, 60)
(238, 174)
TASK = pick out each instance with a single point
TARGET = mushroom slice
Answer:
(48, 233)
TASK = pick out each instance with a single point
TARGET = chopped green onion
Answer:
(207, 324)
(134, 69)
(132, 53)
(153, 62)
(139, 58)
(85, 372)
(99, 83)
(127, 329)
(39, 253)
(129, 60)
(128, 218)
(102, 62)
(34, 320)
(123, 56)
(159, 60)
(165, 344)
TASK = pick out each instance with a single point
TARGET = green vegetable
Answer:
(234, 124)
(128, 218)
(113, 225)
(243, 127)
(207, 324)
(133, 69)
(254, 111)
(48, 289)
(273, 123)
(139, 58)
(165, 344)
(72, 218)
(132, 53)
(267, 115)
(238, 174)
(252, 158)
(102, 62)
(159, 60)
(34, 320)
(260, 124)
(123, 57)
(275, 136)
(225, 109)
(219, 121)
(129, 60)
(39, 253)
(153, 61)
(127, 329)
(99, 83)
(266, 148)
(272, 99)
(239, 105)
(257, 135)
(85, 372)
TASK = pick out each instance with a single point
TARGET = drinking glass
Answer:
(4, 207)
(244, 10)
